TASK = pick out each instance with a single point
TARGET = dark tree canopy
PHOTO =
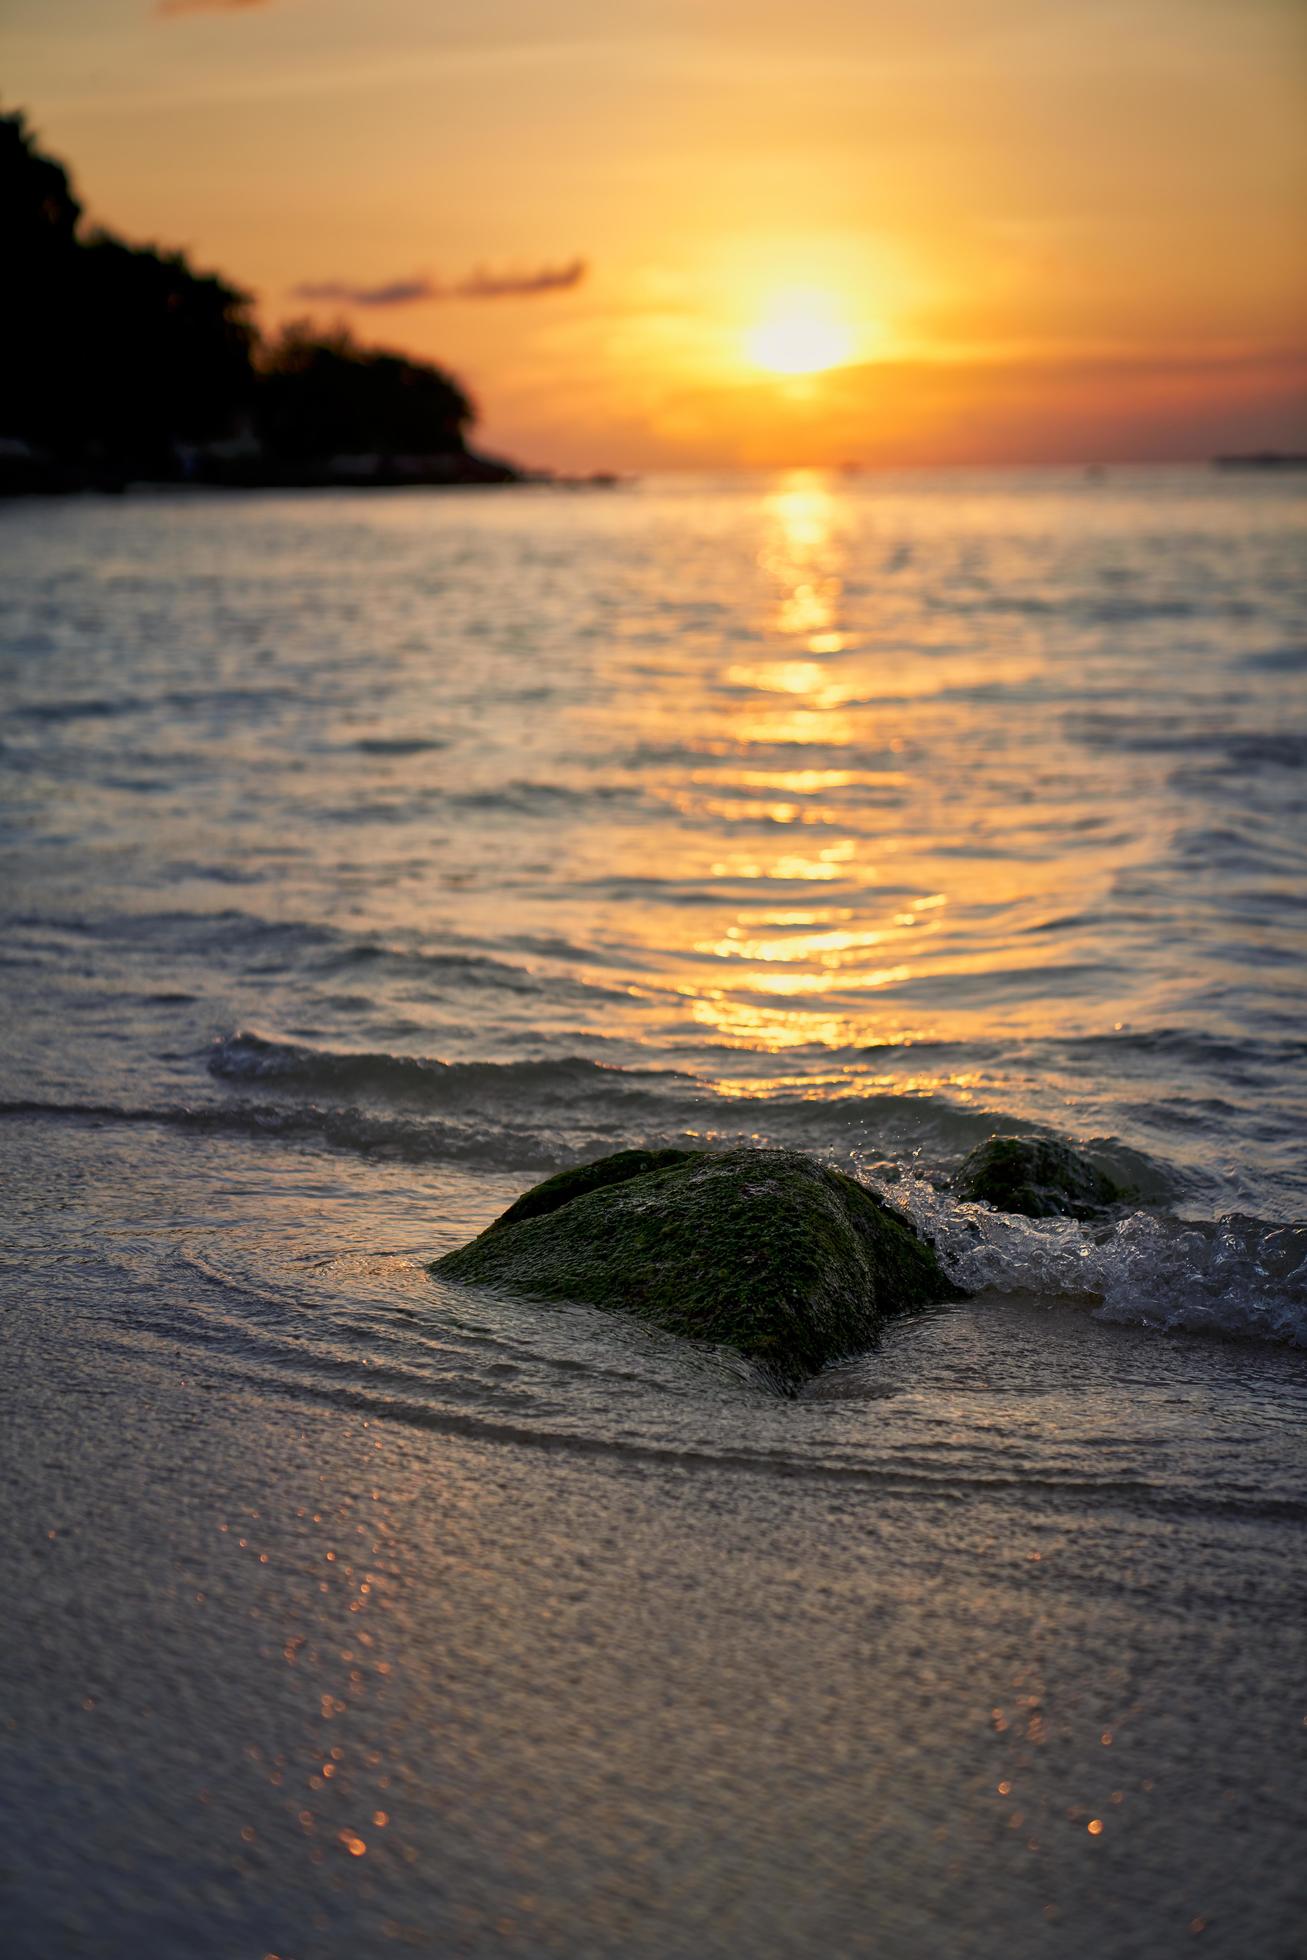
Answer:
(123, 358)
(172, 353)
(109, 349)
(39, 213)
(38, 316)
(325, 395)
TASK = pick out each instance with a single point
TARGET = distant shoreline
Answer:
(25, 472)
(1262, 459)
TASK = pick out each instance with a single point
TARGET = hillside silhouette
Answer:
(121, 362)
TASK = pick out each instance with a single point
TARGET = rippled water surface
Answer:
(370, 857)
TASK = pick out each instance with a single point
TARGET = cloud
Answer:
(166, 8)
(399, 292)
(478, 285)
(513, 285)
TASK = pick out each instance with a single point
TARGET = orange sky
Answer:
(1000, 230)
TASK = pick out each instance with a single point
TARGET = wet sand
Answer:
(325, 1669)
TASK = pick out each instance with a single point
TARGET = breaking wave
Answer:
(1237, 1277)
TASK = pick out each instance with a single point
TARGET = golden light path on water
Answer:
(818, 684)
(798, 780)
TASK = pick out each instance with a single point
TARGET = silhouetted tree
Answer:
(322, 395)
(170, 354)
(108, 349)
(39, 327)
(116, 358)
(39, 212)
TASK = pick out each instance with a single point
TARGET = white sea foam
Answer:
(1235, 1276)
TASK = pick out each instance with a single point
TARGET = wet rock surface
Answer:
(1038, 1177)
(767, 1252)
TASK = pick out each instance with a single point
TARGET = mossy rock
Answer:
(1038, 1177)
(764, 1251)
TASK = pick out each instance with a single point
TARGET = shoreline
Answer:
(26, 473)
(327, 1662)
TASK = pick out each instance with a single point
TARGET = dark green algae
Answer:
(768, 1252)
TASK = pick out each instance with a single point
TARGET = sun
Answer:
(801, 332)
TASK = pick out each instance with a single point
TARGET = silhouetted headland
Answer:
(1262, 459)
(121, 364)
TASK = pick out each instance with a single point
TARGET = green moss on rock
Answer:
(560, 1190)
(764, 1251)
(1038, 1177)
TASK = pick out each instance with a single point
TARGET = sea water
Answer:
(370, 856)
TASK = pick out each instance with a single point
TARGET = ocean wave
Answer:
(1244, 751)
(87, 708)
(230, 937)
(249, 1057)
(1236, 1277)
(1201, 1046)
(1277, 660)
(577, 1099)
(220, 701)
(549, 1114)
(397, 745)
(533, 799)
(571, 1101)
(417, 1140)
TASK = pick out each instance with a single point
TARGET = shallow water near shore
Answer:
(370, 858)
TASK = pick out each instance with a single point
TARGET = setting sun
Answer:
(802, 332)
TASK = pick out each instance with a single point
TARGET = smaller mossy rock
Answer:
(765, 1251)
(1038, 1177)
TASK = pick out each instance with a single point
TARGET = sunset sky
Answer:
(717, 232)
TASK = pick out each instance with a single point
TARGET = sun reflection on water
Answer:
(801, 556)
(810, 740)
(823, 947)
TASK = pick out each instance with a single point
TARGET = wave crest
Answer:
(1237, 1277)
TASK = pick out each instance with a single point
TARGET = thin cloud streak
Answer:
(547, 279)
(399, 292)
(478, 285)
